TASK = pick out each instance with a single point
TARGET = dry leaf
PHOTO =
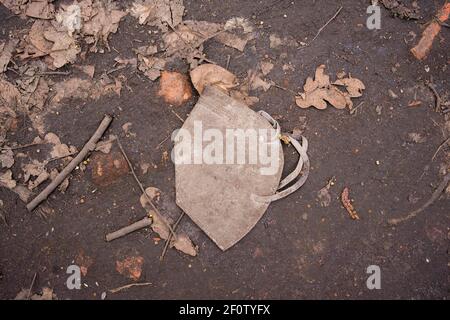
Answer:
(40, 9)
(69, 17)
(16, 6)
(354, 86)
(184, 244)
(6, 51)
(159, 13)
(319, 91)
(232, 39)
(132, 61)
(76, 88)
(25, 294)
(23, 192)
(44, 39)
(100, 19)
(87, 69)
(106, 145)
(35, 169)
(242, 95)
(189, 36)
(59, 149)
(212, 75)
(47, 294)
(151, 66)
(276, 41)
(64, 49)
(323, 194)
(174, 87)
(159, 225)
(416, 137)
(265, 67)
(7, 158)
(6, 180)
(254, 81)
(10, 104)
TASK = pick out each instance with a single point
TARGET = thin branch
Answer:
(176, 115)
(21, 147)
(166, 245)
(88, 147)
(31, 286)
(440, 147)
(145, 222)
(129, 286)
(436, 94)
(142, 187)
(433, 198)
(323, 27)
(54, 73)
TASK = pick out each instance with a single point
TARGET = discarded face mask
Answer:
(228, 165)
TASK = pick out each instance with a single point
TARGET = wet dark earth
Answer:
(299, 249)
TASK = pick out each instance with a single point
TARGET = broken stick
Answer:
(89, 146)
(421, 50)
(433, 198)
(139, 183)
(145, 222)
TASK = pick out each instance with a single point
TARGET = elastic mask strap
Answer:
(303, 163)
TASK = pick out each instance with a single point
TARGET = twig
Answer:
(145, 222)
(436, 94)
(20, 147)
(89, 146)
(142, 188)
(129, 286)
(169, 238)
(228, 61)
(162, 142)
(353, 111)
(115, 69)
(433, 198)
(325, 25)
(440, 147)
(3, 217)
(58, 158)
(284, 88)
(54, 73)
(31, 286)
(176, 115)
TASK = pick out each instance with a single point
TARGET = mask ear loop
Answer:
(303, 163)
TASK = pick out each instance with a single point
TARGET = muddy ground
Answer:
(299, 250)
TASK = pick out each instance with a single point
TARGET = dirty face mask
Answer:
(228, 165)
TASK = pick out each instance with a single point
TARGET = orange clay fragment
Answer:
(421, 50)
(174, 88)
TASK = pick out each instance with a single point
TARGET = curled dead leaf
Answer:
(160, 223)
(212, 75)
